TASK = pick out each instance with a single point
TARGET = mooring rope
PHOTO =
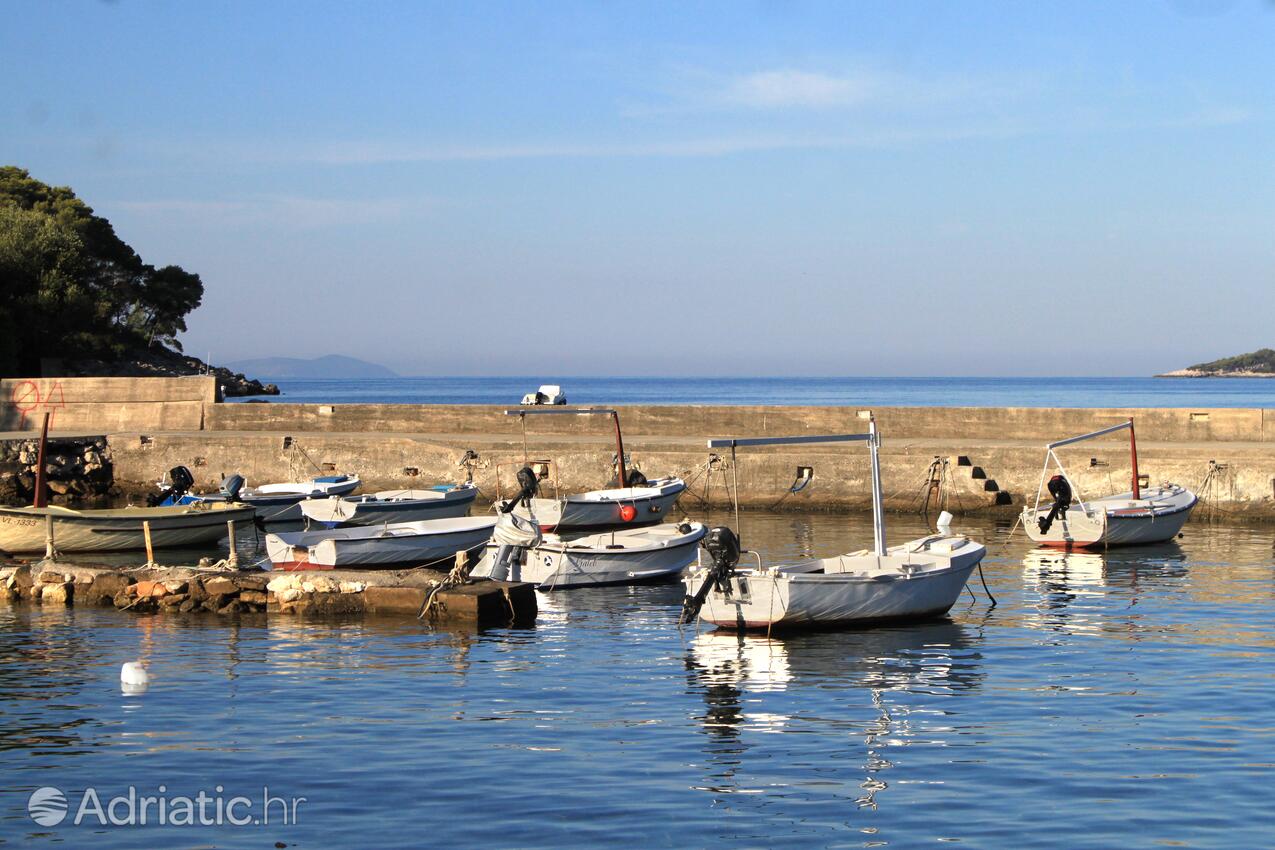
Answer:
(458, 576)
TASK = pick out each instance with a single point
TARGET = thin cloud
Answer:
(793, 88)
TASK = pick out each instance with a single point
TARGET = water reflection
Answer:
(891, 684)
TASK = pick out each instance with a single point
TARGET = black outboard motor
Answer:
(231, 485)
(723, 547)
(1061, 491)
(179, 483)
(528, 487)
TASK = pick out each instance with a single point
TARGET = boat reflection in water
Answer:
(892, 684)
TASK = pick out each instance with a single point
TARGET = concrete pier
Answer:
(185, 590)
(965, 460)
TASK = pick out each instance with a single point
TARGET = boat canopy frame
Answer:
(1050, 454)
(872, 438)
(578, 411)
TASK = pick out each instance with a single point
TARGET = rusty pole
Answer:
(41, 498)
(1133, 453)
(619, 449)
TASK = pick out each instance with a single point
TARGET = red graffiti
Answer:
(26, 398)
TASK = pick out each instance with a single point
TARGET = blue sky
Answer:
(768, 188)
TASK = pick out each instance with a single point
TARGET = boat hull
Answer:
(1115, 521)
(605, 508)
(779, 600)
(339, 513)
(277, 507)
(559, 565)
(120, 530)
(358, 547)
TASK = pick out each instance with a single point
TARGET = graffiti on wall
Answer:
(31, 398)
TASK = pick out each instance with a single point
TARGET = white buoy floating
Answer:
(133, 678)
(944, 524)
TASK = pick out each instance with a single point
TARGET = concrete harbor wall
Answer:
(962, 459)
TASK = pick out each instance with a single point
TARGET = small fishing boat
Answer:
(636, 501)
(120, 529)
(403, 544)
(1143, 515)
(917, 580)
(519, 552)
(391, 506)
(274, 502)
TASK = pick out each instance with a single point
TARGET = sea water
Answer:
(886, 392)
(1118, 699)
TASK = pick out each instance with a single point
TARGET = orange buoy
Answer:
(627, 513)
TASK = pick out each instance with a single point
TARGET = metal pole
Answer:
(1133, 453)
(523, 420)
(619, 449)
(878, 510)
(41, 498)
(734, 474)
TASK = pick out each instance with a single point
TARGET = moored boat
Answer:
(917, 580)
(391, 506)
(1144, 514)
(519, 552)
(404, 544)
(634, 501)
(118, 529)
(277, 502)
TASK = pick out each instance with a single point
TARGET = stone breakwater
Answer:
(77, 469)
(183, 590)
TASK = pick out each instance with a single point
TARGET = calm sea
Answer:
(885, 392)
(1109, 700)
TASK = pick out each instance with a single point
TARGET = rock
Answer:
(173, 600)
(147, 587)
(352, 587)
(104, 588)
(56, 594)
(196, 590)
(176, 586)
(234, 606)
(319, 584)
(220, 586)
(252, 597)
(188, 605)
(289, 594)
(123, 599)
(52, 577)
(251, 582)
(282, 583)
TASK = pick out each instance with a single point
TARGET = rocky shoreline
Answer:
(160, 362)
(77, 470)
(1199, 373)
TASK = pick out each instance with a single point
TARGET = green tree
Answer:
(71, 287)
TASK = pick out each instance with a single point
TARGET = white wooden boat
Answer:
(280, 502)
(917, 580)
(547, 394)
(118, 529)
(597, 509)
(624, 556)
(404, 544)
(1143, 515)
(636, 501)
(390, 506)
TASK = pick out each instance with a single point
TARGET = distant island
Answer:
(1256, 364)
(329, 366)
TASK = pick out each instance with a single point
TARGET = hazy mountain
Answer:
(330, 366)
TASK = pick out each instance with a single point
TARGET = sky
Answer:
(767, 188)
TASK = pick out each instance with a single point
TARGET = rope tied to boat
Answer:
(457, 577)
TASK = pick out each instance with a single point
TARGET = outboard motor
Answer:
(1060, 489)
(514, 537)
(179, 483)
(231, 485)
(528, 487)
(722, 546)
